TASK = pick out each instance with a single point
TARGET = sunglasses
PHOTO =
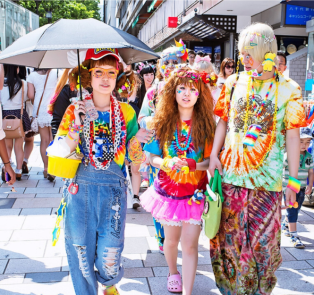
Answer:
(100, 72)
(230, 67)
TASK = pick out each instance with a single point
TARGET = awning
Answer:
(210, 26)
(304, 3)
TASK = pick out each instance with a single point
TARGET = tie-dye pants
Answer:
(245, 253)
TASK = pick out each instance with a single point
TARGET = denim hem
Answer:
(113, 281)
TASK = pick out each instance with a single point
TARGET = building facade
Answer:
(15, 22)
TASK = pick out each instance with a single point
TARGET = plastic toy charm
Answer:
(185, 170)
(197, 197)
(269, 62)
(56, 230)
(73, 188)
(295, 205)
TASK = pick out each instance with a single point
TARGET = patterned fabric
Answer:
(177, 183)
(245, 253)
(131, 129)
(290, 115)
(306, 163)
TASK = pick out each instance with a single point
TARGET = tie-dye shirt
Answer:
(176, 183)
(290, 115)
(101, 125)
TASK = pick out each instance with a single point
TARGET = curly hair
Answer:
(167, 115)
(86, 76)
(158, 73)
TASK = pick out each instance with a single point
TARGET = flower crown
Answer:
(206, 78)
(266, 39)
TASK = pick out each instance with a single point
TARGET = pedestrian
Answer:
(282, 62)
(289, 225)
(203, 64)
(41, 85)
(13, 96)
(256, 123)
(184, 126)
(226, 70)
(95, 213)
(191, 54)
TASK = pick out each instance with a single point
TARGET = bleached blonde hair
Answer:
(204, 66)
(263, 45)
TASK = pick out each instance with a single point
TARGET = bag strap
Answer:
(215, 183)
(22, 107)
(42, 94)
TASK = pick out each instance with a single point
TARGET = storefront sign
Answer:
(298, 15)
(205, 49)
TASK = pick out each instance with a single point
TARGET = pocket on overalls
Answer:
(75, 221)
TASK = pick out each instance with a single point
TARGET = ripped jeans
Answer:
(94, 226)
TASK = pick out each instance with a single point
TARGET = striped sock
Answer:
(294, 234)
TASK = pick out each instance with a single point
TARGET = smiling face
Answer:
(148, 78)
(186, 96)
(103, 84)
(250, 63)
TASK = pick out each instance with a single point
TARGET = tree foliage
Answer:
(69, 9)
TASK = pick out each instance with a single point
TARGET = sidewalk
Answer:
(30, 265)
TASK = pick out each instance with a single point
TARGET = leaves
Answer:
(69, 9)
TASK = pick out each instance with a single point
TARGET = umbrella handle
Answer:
(81, 119)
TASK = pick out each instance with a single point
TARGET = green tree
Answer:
(70, 9)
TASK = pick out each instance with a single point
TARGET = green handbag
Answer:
(212, 209)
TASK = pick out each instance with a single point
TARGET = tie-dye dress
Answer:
(246, 250)
(168, 198)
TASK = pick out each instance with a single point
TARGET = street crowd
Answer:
(168, 125)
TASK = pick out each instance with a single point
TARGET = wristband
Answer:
(6, 163)
(191, 164)
(164, 164)
(294, 184)
(295, 205)
(71, 138)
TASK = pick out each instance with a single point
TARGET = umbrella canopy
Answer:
(304, 3)
(48, 46)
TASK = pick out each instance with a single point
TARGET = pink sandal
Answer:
(174, 284)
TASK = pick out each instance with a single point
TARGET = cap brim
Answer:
(306, 136)
(113, 54)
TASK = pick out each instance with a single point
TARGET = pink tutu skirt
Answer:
(162, 207)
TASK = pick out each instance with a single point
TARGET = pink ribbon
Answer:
(205, 58)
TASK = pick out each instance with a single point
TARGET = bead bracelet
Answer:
(136, 154)
(164, 164)
(74, 139)
(294, 184)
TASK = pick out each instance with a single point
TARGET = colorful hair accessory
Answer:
(248, 47)
(136, 154)
(266, 39)
(85, 68)
(120, 90)
(252, 135)
(119, 77)
(269, 62)
(294, 205)
(294, 184)
(123, 87)
(163, 67)
(205, 58)
(182, 51)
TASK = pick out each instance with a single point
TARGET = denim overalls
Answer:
(94, 227)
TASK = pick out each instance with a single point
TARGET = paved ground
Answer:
(30, 265)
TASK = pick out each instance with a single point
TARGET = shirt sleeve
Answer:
(207, 149)
(295, 113)
(130, 120)
(153, 147)
(145, 110)
(29, 78)
(223, 103)
(68, 117)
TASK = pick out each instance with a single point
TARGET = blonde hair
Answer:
(258, 51)
(204, 66)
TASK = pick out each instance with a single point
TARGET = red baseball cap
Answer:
(98, 53)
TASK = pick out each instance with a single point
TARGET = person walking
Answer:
(260, 113)
(41, 85)
(13, 96)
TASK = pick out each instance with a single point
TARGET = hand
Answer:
(144, 135)
(179, 163)
(308, 190)
(214, 164)
(290, 196)
(81, 109)
(9, 170)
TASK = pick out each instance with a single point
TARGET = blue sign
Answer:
(205, 49)
(217, 49)
(298, 15)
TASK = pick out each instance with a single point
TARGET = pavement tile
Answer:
(65, 264)
(311, 262)
(35, 211)
(203, 258)
(3, 264)
(135, 246)
(46, 277)
(152, 244)
(297, 264)
(7, 190)
(139, 210)
(11, 222)
(3, 196)
(18, 196)
(30, 235)
(37, 203)
(308, 210)
(9, 250)
(286, 256)
(10, 212)
(5, 235)
(45, 183)
(36, 265)
(35, 176)
(58, 183)
(302, 254)
(136, 231)
(153, 259)
(11, 279)
(138, 272)
(136, 286)
(131, 260)
(201, 270)
(57, 250)
(40, 222)
(41, 190)
(6, 203)
(22, 183)
(140, 219)
(49, 196)
(294, 282)
(151, 230)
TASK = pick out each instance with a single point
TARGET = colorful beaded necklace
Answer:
(276, 78)
(183, 146)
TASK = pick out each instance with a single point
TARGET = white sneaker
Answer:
(136, 203)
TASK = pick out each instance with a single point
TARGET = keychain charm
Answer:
(252, 135)
(73, 188)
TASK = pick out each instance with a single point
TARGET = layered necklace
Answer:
(252, 132)
(182, 146)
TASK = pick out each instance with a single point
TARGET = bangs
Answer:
(108, 60)
(147, 70)
(188, 82)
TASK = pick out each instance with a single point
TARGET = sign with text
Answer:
(298, 15)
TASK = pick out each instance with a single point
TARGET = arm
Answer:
(293, 154)
(308, 189)
(31, 91)
(155, 160)
(219, 140)
(1, 76)
(203, 166)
